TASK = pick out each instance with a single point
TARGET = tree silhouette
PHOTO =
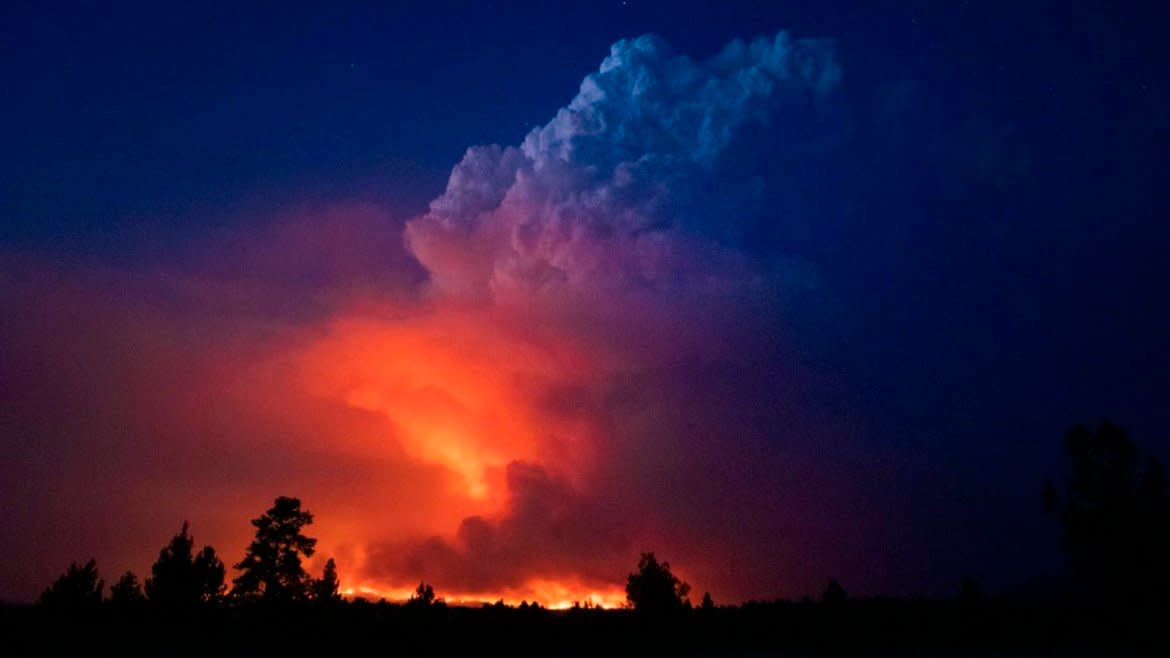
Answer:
(708, 603)
(78, 588)
(969, 591)
(325, 588)
(179, 578)
(127, 591)
(423, 597)
(210, 572)
(1116, 522)
(271, 568)
(834, 593)
(654, 588)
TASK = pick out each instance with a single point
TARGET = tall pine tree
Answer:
(272, 569)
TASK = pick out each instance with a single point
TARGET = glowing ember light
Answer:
(563, 595)
(552, 594)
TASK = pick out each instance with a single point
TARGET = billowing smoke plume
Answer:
(591, 361)
(646, 220)
(663, 174)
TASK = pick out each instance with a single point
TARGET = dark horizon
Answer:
(783, 294)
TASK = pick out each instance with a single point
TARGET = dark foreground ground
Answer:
(854, 628)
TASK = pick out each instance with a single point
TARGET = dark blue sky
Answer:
(992, 219)
(116, 112)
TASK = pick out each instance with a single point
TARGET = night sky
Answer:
(508, 293)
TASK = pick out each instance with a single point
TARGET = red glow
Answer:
(188, 395)
(553, 594)
(455, 387)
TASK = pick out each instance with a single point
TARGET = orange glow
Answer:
(457, 390)
(454, 387)
(552, 594)
(395, 426)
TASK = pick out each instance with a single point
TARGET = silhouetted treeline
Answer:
(1113, 508)
(1115, 513)
(359, 628)
(182, 579)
